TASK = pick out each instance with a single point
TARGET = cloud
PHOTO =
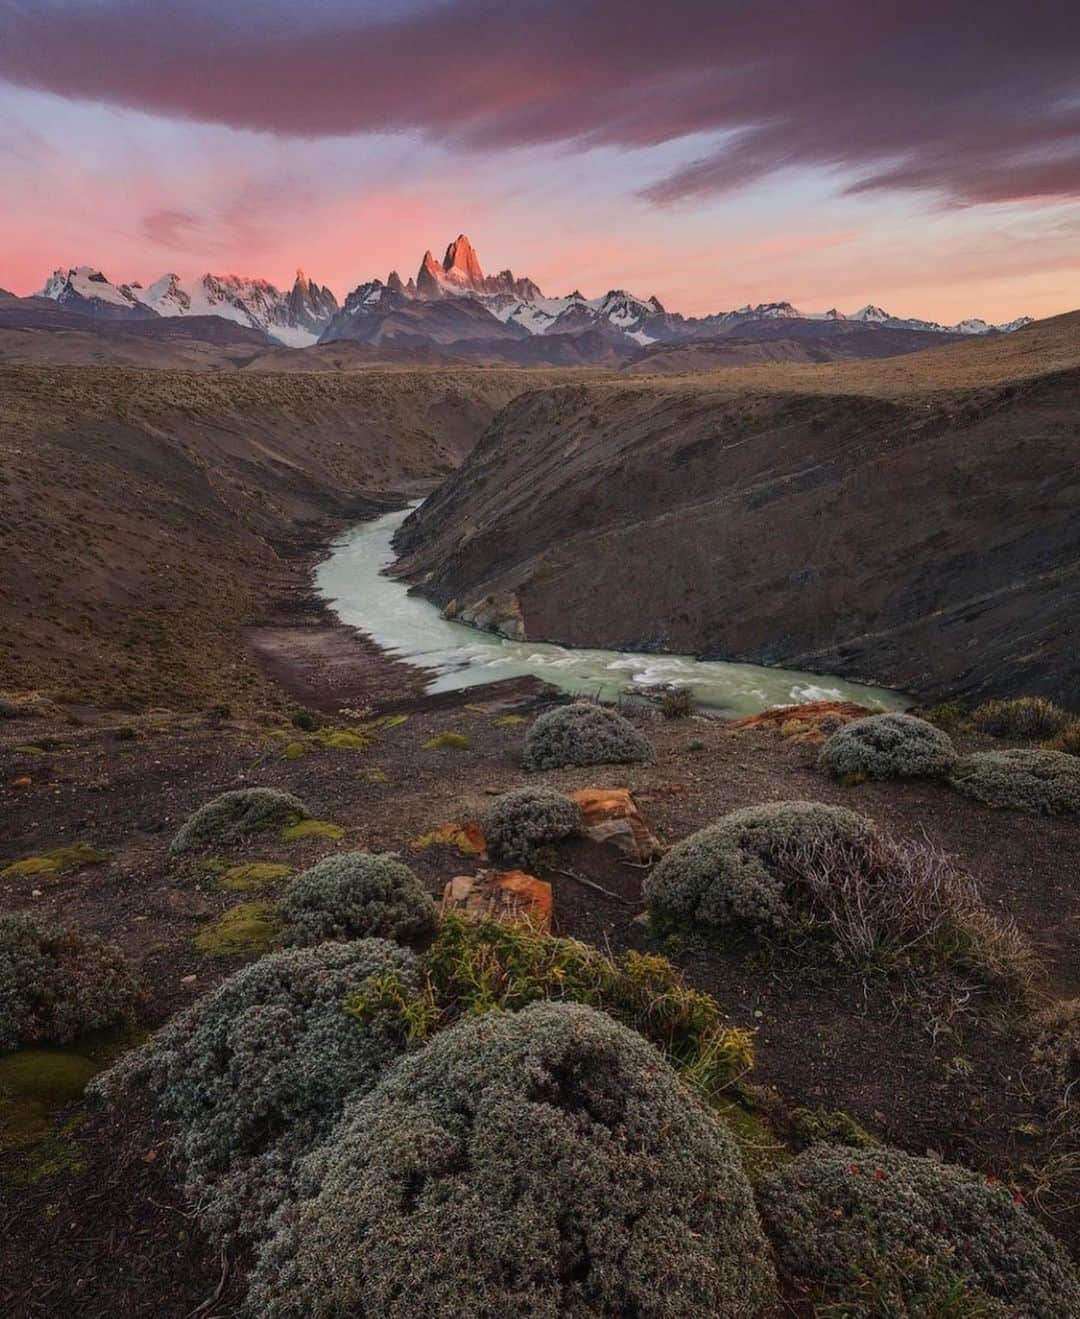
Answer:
(173, 228)
(974, 100)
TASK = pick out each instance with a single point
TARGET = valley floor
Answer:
(93, 1221)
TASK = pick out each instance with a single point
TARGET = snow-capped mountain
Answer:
(294, 319)
(975, 325)
(453, 296)
(85, 289)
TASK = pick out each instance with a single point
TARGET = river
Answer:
(409, 627)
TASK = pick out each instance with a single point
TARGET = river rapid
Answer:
(353, 583)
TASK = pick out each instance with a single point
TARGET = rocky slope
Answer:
(147, 518)
(914, 522)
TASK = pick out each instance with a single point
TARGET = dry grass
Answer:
(902, 902)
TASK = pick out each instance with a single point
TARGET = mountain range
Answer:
(453, 303)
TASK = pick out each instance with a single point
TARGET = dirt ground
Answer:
(107, 1232)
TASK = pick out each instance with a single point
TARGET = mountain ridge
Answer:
(372, 312)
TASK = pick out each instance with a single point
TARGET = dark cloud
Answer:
(978, 100)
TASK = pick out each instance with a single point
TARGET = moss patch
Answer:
(247, 930)
(760, 1149)
(373, 776)
(34, 1085)
(253, 875)
(61, 859)
(294, 750)
(448, 742)
(467, 838)
(509, 720)
(294, 833)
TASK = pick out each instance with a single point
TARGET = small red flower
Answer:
(853, 1168)
(880, 1174)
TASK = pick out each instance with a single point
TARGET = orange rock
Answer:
(812, 721)
(502, 895)
(23, 781)
(610, 815)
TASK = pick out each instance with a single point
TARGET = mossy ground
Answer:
(253, 875)
(38, 1132)
(60, 859)
(468, 841)
(448, 741)
(247, 930)
(295, 833)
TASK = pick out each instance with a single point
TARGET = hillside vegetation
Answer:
(913, 521)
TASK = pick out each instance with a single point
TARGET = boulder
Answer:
(503, 895)
(610, 815)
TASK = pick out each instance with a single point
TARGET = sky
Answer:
(924, 156)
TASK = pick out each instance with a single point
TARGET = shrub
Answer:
(522, 820)
(483, 966)
(545, 1162)
(728, 874)
(56, 985)
(231, 816)
(583, 734)
(676, 702)
(1054, 1075)
(804, 866)
(1068, 740)
(884, 1232)
(1024, 719)
(1035, 781)
(888, 746)
(354, 896)
(254, 1074)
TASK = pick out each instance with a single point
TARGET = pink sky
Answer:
(708, 153)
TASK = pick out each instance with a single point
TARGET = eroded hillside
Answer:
(914, 521)
(147, 517)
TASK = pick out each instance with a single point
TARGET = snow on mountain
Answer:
(85, 289)
(294, 319)
(308, 313)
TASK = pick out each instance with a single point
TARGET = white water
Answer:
(412, 628)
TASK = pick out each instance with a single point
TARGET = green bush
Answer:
(888, 746)
(1024, 719)
(583, 734)
(882, 1232)
(729, 874)
(232, 816)
(484, 966)
(525, 819)
(1035, 781)
(56, 984)
(545, 1162)
(356, 895)
(254, 1074)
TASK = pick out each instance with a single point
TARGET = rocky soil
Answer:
(93, 1221)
